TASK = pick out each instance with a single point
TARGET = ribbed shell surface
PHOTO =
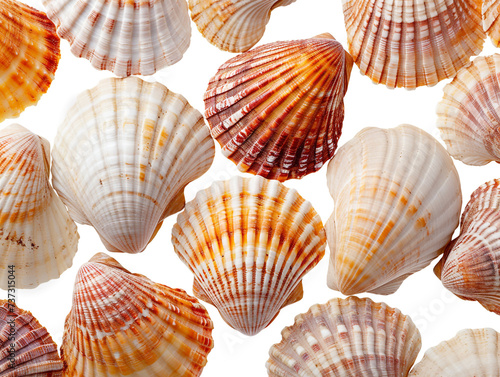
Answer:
(277, 110)
(249, 242)
(127, 37)
(37, 235)
(349, 337)
(124, 324)
(397, 203)
(29, 55)
(123, 156)
(412, 43)
(491, 20)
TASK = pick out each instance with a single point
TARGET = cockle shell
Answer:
(234, 25)
(471, 353)
(123, 156)
(412, 43)
(29, 55)
(131, 37)
(491, 21)
(469, 114)
(35, 353)
(469, 267)
(397, 202)
(277, 110)
(37, 235)
(249, 242)
(349, 338)
(123, 324)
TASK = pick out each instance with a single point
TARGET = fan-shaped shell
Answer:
(249, 242)
(234, 25)
(124, 324)
(471, 353)
(123, 156)
(349, 338)
(491, 21)
(29, 55)
(126, 37)
(37, 235)
(397, 202)
(412, 43)
(34, 352)
(469, 114)
(277, 110)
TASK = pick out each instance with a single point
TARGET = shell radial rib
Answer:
(491, 20)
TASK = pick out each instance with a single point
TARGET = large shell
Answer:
(349, 338)
(35, 353)
(249, 242)
(412, 43)
(37, 235)
(491, 20)
(234, 25)
(123, 156)
(471, 353)
(130, 37)
(29, 55)
(469, 267)
(277, 110)
(469, 114)
(123, 324)
(397, 202)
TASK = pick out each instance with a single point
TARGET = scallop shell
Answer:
(469, 267)
(469, 114)
(277, 110)
(249, 242)
(35, 353)
(123, 156)
(29, 55)
(412, 43)
(491, 22)
(350, 338)
(234, 25)
(471, 353)
(123, 324)
(37, 235)
(126, 37)
(397, 202)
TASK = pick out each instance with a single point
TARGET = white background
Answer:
(437, 313)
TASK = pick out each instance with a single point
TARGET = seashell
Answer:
(469, 267)
(123, 156)
(277, 111)
(471, 353)
(29, 56)
(123, 324)
(491, 22)
(412, 43)
(35, 353)
(235, 25)
(126, 37)
(249, 242)
(397, 202)
(469, 116)
(37, 235)
(350, 338)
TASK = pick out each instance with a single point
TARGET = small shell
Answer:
(469, 114)
(35, 352)
(469, 267)
(249, 242)
(491, 21)
(29, 55)
(349, 338)
(131, 37)
(471, 353)
(37, 235)
(412, 43)
(234, 25)
(123, 324)
(397, 202)
(277, 111)
(123, 156)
